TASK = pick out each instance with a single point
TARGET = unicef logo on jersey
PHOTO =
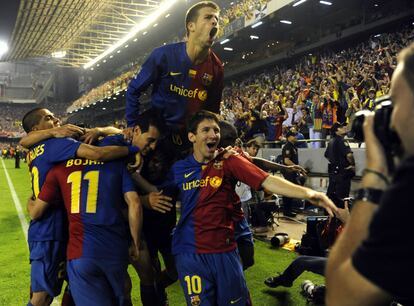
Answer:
(214, 182)
(189, 93)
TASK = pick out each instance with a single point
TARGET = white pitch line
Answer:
(17, 203)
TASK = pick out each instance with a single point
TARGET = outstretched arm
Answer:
(36, 208)
(283, 187)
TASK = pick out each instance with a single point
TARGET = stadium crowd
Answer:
(319, 90)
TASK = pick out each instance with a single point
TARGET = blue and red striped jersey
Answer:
(179, 88)
(208, 201)
(41, 158)
(93, 197)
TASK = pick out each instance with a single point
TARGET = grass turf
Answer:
(15, 268)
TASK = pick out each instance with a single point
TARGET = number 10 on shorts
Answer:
(193, 284)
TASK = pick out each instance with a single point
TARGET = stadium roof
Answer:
(74, 31)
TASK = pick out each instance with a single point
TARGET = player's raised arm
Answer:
(67, 130)
(92, 135)
(283, 187)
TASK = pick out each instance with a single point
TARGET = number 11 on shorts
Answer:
(193, 284)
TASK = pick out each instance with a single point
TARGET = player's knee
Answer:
(41, 299)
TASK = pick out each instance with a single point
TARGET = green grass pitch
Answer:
(15, 267)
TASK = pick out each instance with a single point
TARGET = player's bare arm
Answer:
(36, 208)
(92, 135)
(103, 153)
(67, 130)
(283, 187)
(134, 217)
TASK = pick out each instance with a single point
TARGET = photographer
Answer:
(370, 264)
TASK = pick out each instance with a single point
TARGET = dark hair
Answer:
(192, 13)
(199, 116)
(151, 117)
(406, 56)
(31, 118)
(253, 143)
(228, 134)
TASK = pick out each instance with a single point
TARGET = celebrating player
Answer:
(208, 265)
(47, 236)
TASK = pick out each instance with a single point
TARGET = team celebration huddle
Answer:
(160, 194)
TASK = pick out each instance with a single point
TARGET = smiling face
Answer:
(205, 140)
(47, 120)
(204, 29)
(146, 141)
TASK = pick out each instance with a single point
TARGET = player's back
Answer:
(93, 196)
(41, 158)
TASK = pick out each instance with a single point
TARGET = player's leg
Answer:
(88, 283)
(197, 279)
(116, 273)
(231, 284)
(47, 259)
(146, 273)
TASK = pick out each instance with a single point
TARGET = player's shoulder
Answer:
(169, 48)
(113, 140)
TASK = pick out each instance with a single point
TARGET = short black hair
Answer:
(151, 117)
(31, 118)
(199, 116)
(192, 13)
(253, 143)
(228, 134)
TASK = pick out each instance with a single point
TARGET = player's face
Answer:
(48, 120)
(205, 140)
(403, 112)
(252, 150)
(206, 27)
(146, 141)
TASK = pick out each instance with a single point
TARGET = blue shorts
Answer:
(212, 279)
(97, 282)
(48, 266)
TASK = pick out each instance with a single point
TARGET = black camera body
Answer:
(387, 137)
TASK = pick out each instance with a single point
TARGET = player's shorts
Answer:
(212, 279)
(97, 282)
(48, 266)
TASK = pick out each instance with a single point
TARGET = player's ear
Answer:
(191, 137)
(190, 27)
(136, 130)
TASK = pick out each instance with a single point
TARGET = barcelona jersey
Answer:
(180, 88)
(208, 201)
(41, 158)
(93, 196)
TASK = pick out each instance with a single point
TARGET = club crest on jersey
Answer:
(206, 79)
(195, 300)
(192, 73)
(218, 165)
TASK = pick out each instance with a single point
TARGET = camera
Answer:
(387, 137)
(279, 239)
(313, 293)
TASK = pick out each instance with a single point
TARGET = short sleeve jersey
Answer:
(208, 200)
(93, 197)
(41, 158)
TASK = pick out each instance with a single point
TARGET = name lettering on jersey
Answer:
(35, 152)
(189, 93)
(82, 162)
(214, 182)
